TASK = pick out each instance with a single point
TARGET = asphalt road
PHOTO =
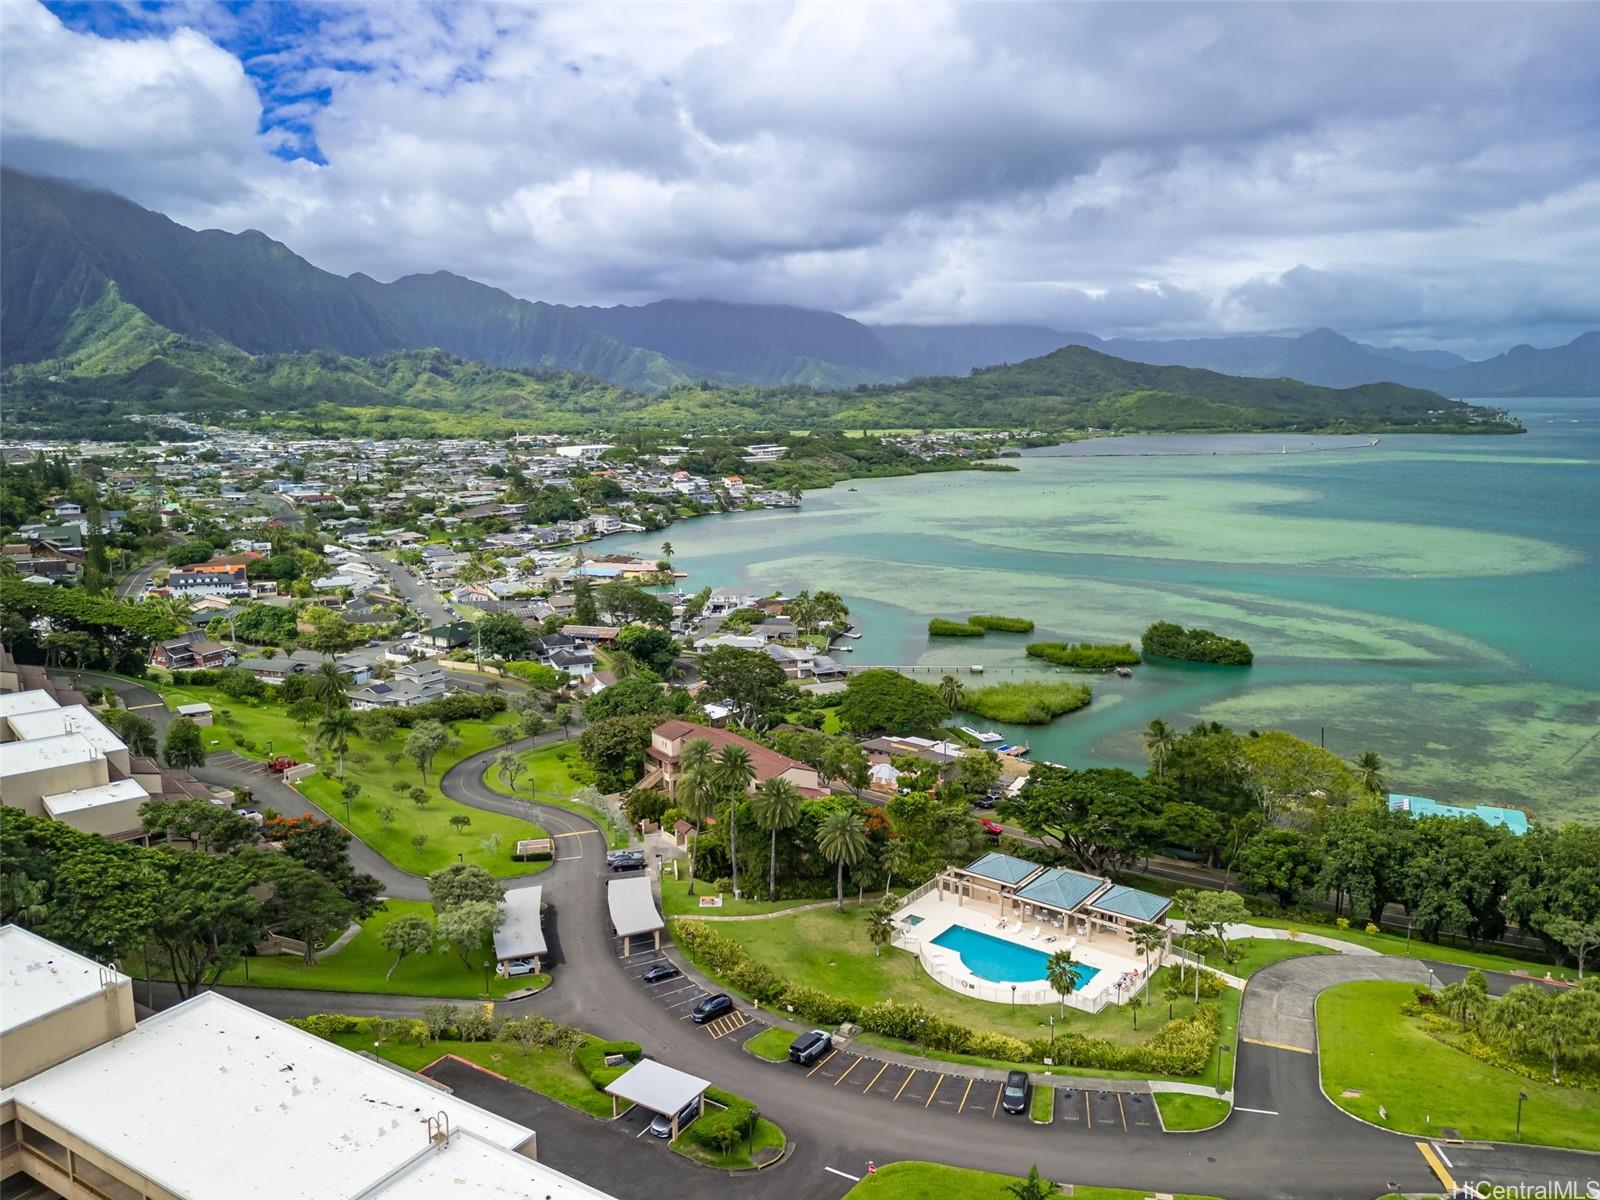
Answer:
(1285, 1139)
(419, 595)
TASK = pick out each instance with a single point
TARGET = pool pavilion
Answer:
(1038, 910)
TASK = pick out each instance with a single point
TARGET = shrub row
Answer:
(1085, 656)
(407, 1030)
(939, 627)
(591, 1060)
(463, 706)
(545, 678)
(1001, 624)
(723, 1128)
(1181, 1048)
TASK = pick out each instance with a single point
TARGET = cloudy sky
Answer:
(1425, 175)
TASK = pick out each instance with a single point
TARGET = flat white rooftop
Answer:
(38, 977)
(115, 792)
(13, 703)
(470, 1168)
(521, 935)
(240, 1106)
(40, 754)
(74, 718)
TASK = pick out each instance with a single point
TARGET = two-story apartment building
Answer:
(665, 754)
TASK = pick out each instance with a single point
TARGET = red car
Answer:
(992, 828)
(279, 765)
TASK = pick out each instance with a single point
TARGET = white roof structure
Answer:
(470, 1168)
(657, 1087)
(40, 754)
(520, 935)
(193, 710)
(115, 792)
(38, 977)
(633, 908)
(34, 700)
(240, 1106)
(75, 718)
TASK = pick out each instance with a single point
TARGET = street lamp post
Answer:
(486, 965)
(1521, 1096)
(1221, 1050)
(1013, 999)
(1052, 1038)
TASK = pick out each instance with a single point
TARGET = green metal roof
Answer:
(1130, 902)
(1002, 868)
(1060, 888)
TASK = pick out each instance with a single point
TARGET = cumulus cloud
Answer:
(1407, 171)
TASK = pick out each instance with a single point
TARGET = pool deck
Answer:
(1109, 953)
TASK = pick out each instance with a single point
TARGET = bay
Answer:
(1436, 599)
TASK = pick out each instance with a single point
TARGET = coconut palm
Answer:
(1159, 739)
(891, 860)
(328, 682)
(1063, 980)
(1369, 769)
(334, 732)
(623, 665)
(777, 806)
(952, 691)
(694, 787)
(733, 772)
(666, 549)
(1148, 938)
(880, 925)
(842, 838)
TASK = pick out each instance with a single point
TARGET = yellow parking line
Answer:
(1088, 1113)
(996, 1107)
(933, 1093)
(875, 1078)
(962, 1106)
(1122, 1112)
(847, 1071)
(1279, 1046)
(1438, 1167)
(907, 1080)
(820, 1064)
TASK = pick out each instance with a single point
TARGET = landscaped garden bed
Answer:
(919, 1181)
(1183, 1112)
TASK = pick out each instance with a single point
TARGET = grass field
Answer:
(922, 1181)
(1396, 943)
(1370, 1047)
(544, 1071)
(830, 951)
(359, 966)
(1261, 952)
(677, 902)
(767, 1137)
(551, 774)
(772, 1044)
(1179, 1112)
(262, 725)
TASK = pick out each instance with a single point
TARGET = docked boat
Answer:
(983, 735)
(1014, 751)
(1124, 673)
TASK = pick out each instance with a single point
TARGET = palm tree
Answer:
(1063, 980)
(733, 773)
(24, 900)
(952, 691)
(334, 732)
(892, 859)
(666, 549)
(1033, 1187)
(1159, 739)
(1369, 769)
(1147, 938)
(694, 788)
(777, 806)
(623, 665)
(880, 925)
(842, 838)
(328, 682)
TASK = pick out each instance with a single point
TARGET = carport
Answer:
(633, 911)
(660, 1089)
(521, 934)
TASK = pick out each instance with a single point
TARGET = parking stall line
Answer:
(1088, 1111)
(996, 1107)
(821, 1062)
(875, 1079)
(847, 1071)
(904, 1082)
(933, 1093)
(1122, 1112)
(964, 1096)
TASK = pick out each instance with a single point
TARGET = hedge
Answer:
(1001, 624)
(723, 1128)
(591, 1060)
(1182, 1047)
(408, 1030)
(939, 627)
(538, 674)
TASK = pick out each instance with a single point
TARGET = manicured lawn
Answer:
(1392, 943)
(544, 1071)
(767, 1137)
(1369, 1046)
(677, 902)
(921, 1181)
(1043, 1106)
(551, 774)
(830, 951)
(1179, 1111)
(1260, 952)
(772, 1045)
(360, 964)
(260, 724)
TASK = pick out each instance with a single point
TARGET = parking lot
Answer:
(1078, 1111)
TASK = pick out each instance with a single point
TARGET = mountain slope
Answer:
(957, 349)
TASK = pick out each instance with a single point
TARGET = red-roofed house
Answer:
(668, 739)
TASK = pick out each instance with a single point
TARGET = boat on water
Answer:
(1124, 673)
(1014, 751)
(983, 735)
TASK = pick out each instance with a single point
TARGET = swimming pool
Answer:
(1000, 961)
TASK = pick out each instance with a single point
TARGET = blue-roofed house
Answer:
(1510, 819)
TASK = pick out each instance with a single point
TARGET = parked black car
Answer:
(659, 972)
(711, 1008)
(627, 860)
(809, 1047)
(1014, 1096)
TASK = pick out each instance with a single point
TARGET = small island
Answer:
(1167, 640)
(1025, 702)
(978, 625)
(1085, 656)
(940, 627)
